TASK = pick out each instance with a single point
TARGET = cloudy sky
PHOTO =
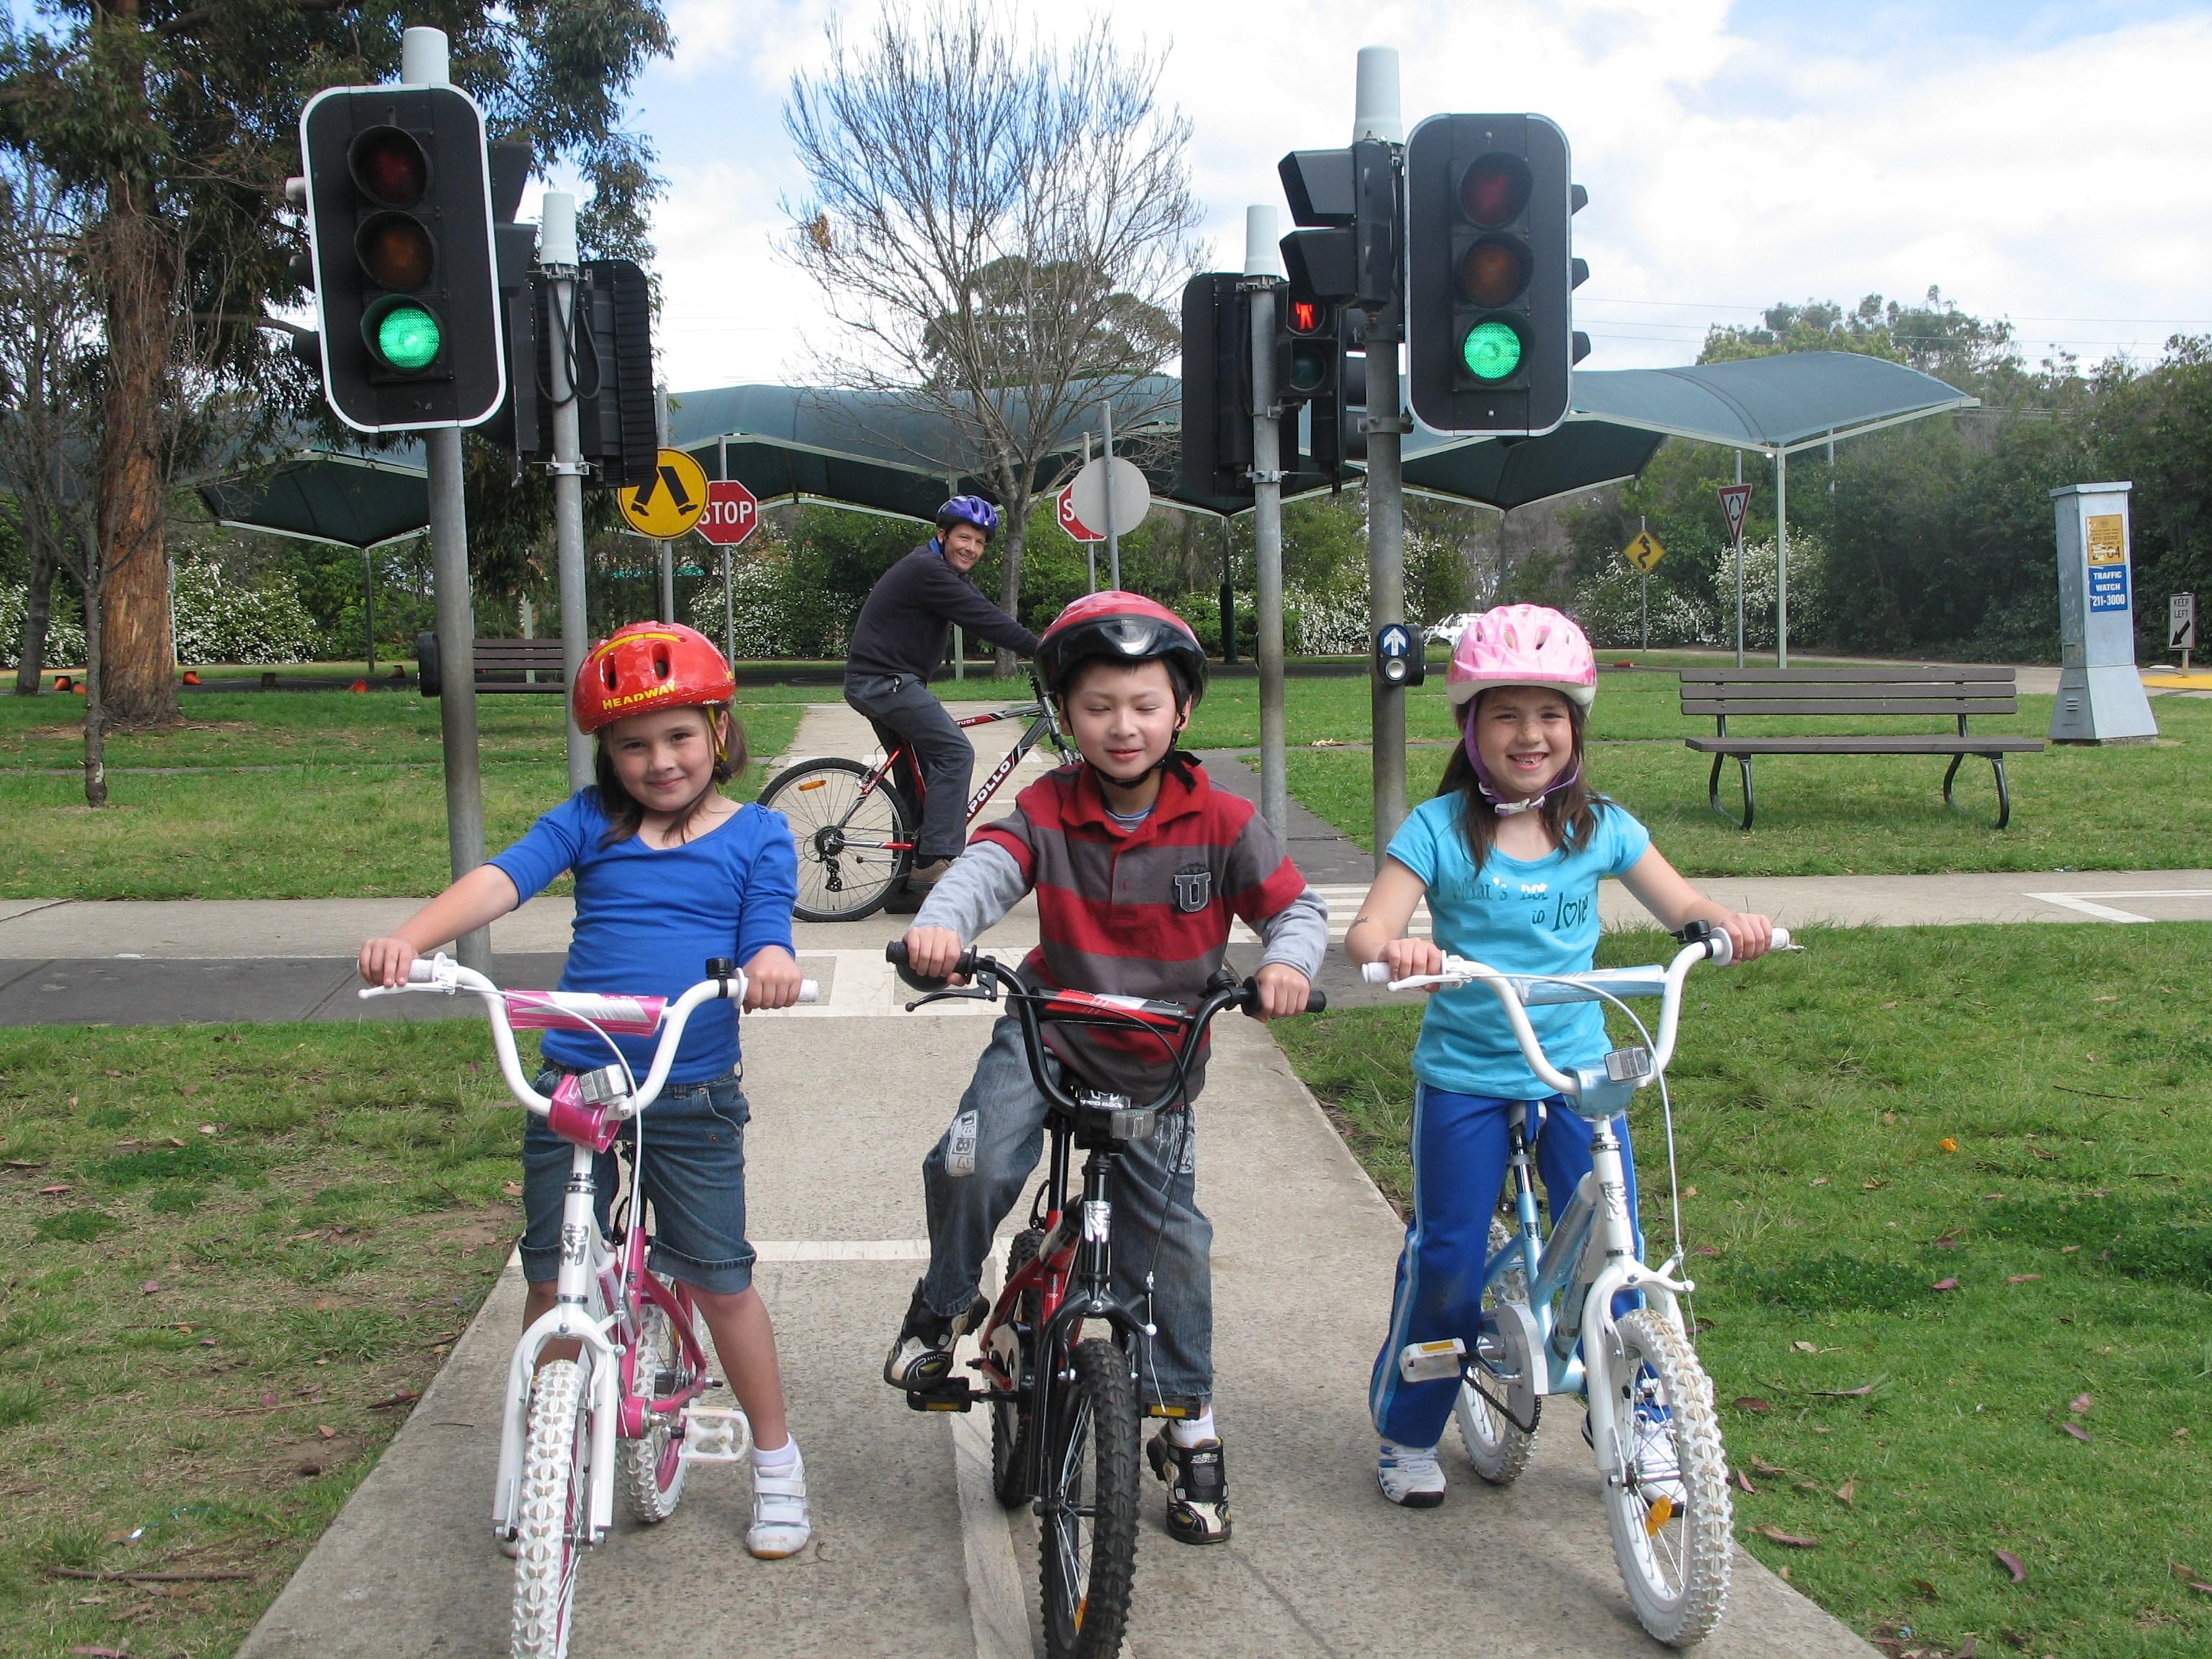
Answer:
(2042, 162)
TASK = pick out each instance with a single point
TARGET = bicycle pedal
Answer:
(716, 1435)
(952, 1395)
(1432, 1362)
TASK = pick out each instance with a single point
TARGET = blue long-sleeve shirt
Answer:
(649, 918)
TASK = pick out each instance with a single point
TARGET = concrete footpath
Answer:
(911, 1553)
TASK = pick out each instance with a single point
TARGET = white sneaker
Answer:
(1658, 1473)
(781, 1523)
(1410, 1475)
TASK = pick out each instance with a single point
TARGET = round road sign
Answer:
(1132, 496)
(671, 503)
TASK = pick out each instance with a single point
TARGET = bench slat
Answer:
(1870, 675)
(1831, 690)
(1903, 744)
(1854, 706)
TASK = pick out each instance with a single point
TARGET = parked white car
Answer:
(1448, 628)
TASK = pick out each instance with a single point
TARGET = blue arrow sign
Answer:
(1395, 641)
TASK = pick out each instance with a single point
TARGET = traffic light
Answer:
(1349, 199)
(1336, 412)
(1305, 349)
(1490, 345)
(399, 199)
(1217, 398)
(609, 337)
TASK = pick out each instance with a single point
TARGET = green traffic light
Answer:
(407, 337)
(1491, 350)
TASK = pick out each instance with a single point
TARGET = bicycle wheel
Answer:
(855, 843)
(1011, 1418)
(649, 1470)
(1671, 1525)
(556, 1511)
(1497, 1447)
(1090, 1511)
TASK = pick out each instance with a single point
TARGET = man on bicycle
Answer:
(899, 641)
(1139, 866)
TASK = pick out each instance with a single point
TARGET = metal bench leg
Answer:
(1713, 790)
(2004, 795)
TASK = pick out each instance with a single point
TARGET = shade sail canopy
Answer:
(879, 453)
(1792, 401)
(327, 493)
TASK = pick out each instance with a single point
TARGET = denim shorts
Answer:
(694, 1177)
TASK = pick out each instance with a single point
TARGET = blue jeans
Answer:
(1460, 1147)
(903, 706)
(695, 1178)
(974, 1175)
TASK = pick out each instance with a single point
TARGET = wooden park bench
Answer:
(501, 665)
(1955, 693)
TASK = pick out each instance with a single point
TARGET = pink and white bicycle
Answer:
(622, 1416)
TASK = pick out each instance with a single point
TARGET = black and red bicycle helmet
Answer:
(1122, 628)
(649, 666)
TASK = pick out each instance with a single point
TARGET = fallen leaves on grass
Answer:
(53, 1192)
(2023, 1279)
(2080, 1404)
(1945, 1285)
(1859, 1393)
(1948, 1144)
(2012, 1565)
(2077, 1431)
(1789, 1541)
(404, 1397)
(1741, 1482)
(1847, 1494)
(1750, 1403)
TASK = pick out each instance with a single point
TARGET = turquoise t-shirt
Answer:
(1523, 916)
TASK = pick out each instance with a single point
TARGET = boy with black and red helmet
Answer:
(1138, 866)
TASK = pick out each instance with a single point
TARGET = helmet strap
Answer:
(1506, 806)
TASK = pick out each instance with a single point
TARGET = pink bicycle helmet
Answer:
(1522, 644)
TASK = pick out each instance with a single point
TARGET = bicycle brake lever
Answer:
(974, 992)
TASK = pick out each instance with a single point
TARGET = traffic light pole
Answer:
(1263, 275)
(423, 64)
(667, 548)
(556, 255)
(1375, 117)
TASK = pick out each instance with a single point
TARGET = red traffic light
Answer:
(388, 166)
(1494, 271)
(1495, 190)
(1303, 316)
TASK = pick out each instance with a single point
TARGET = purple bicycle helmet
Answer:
(969, 509)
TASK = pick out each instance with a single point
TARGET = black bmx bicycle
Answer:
(1063, 1407)
(855, 824)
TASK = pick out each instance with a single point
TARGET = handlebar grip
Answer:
(895, 954)
(810, 990)
(1317, 1001)
(1782, 939)
(1375, 973)
(423, 970)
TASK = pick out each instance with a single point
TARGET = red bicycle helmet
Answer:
(1122, 627)
(647, 666)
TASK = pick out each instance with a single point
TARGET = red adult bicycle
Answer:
(855, 824)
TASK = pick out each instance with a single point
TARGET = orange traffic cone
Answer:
(358, 685)
(62, 682)
(191, 677)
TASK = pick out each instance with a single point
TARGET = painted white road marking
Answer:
(2085, 902)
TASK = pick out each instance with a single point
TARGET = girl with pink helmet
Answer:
(1508, 855)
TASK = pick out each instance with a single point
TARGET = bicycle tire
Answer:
(823, 801)
(1011, 1418)
(649, 1470)
(1092, 1454)
(1674, 1561)
(556, 1511)
(1497, 1447)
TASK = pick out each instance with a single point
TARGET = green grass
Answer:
(2073, 808)
(182, 1322)
(2016, 1109)
(322, 824)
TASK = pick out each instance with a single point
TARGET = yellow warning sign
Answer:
(2108, 538)
(1644, 551)
(671, 502)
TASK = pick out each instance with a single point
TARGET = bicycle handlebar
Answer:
(1517, 993)
(632, 1016)
(1033, 1009)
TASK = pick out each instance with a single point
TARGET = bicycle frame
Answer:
(1043, 726)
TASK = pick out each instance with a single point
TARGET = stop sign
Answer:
(1073, 525)
(732, 513)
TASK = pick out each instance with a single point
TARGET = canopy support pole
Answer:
(1739, 573)
(1780, 557)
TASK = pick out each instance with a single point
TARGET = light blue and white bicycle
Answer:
(1548, 1326)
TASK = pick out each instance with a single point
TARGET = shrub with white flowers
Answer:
(1609, 605)
(215, 620)
(64, 635)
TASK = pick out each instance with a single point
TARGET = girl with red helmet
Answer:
(670, 874)
(1138, 866)
(1509, 855)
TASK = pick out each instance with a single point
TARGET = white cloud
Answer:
(2057, 183)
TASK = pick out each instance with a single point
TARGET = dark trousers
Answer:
(901, 704)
